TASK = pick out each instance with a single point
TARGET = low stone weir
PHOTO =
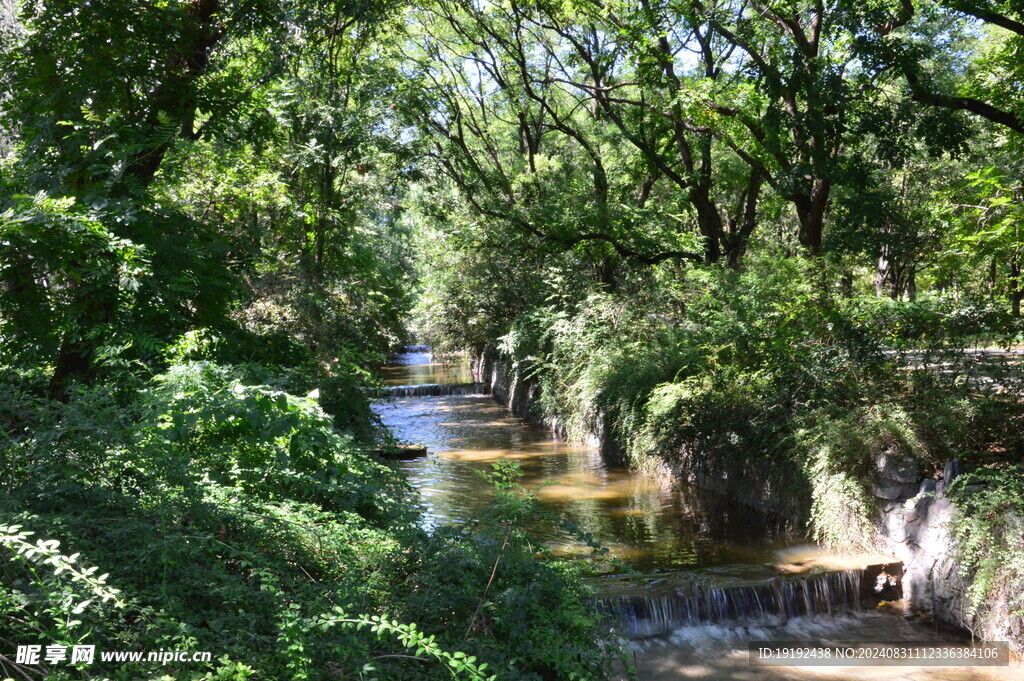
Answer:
(766, 603)
(431, 390)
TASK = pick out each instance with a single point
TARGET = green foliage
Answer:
(935, 322)
(155, 185)
(839, 453)
(788, 393)
(762, 338)
(266, 442)
(215, 218)
(86, 261)
(989, 535)
(234, 518)
(64, 597)
(97, 97)
(537, 608)
(460, 664)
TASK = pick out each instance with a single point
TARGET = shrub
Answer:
(215, 515)
(989, 536)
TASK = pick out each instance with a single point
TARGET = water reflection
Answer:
(420, 368)
(640, 520)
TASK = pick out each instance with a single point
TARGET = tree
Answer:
(640, 85)
(97, 97)
(993, 96)
(529, 149)
(986, 212)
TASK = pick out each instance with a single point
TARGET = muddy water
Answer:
(672, 536)
(419, 368)
(640, 520)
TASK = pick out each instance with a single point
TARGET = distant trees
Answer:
(637, 134)
(608, 138)
(108, 106)
(664, 100)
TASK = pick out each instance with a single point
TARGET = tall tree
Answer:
(96, 97)
(527, 150)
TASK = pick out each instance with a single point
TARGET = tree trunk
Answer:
(177, 93)
(97, 308)
(742, 225)
(175, 96)
(709, 222)
(846, 285)
(882, 273)
(1016, 290)
(607, 269)
(811, 211)
(734, 256)
(323, 224)
(74, 363)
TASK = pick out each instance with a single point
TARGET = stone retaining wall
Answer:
(915, 515)
(916, 525)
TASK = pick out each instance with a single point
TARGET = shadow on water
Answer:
(638, 518)
(652, 526)
(715, 574)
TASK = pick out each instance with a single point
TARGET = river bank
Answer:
(911, 512)
(741, 577)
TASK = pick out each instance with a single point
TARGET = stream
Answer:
(713, 575)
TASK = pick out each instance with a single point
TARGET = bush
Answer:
(934, 321)
(839, 452)
(989, 536)
(214, 515)
(765, 387)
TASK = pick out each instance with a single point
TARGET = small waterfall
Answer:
(406, 349)
(431, 390)
(772, 602)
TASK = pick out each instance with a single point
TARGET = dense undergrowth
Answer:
(210, 511)
(216, 216)
(784, 395)
(990, 534)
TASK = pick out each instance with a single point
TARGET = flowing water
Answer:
(713, 574)
(639, 519)
(416, 366)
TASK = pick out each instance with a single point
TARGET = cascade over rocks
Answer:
(916, 526)
(771, 602)
(915, 521)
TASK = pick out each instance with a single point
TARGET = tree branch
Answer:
(975, 106)
(978, 11)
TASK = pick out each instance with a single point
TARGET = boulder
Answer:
(950, 472)
(890, 489)
(900, 469)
